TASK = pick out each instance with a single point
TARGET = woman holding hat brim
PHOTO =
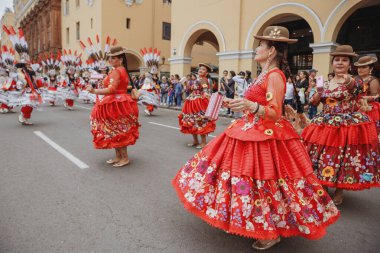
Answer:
(342, 142)
(192, 119)
(371, 88)
(114, 118)
(256, 179)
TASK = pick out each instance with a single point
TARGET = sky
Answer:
(4, 4)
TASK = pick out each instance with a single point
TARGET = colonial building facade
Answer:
(42, 28)
(228, 27)
(135, 24)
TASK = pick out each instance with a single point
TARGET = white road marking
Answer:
(172, 127)
(83, 107)
(61, 150)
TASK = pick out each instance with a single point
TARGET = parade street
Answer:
(58, 195)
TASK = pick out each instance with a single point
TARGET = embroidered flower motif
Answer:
(328, 171)
(331, 102)
(249, 225)
(268, 132)
(257, 202)
(320, 192)
(225, 175)
(304, 229)
(269, 96)
(242, 188)
(367, 176)
(337, 118)
(281, 181)
(350, 180)
(211, 212)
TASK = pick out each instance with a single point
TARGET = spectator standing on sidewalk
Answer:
(164, 90)
(178, 91)
(313, 90)
(230, 92)
(224, 82)
(289, 94)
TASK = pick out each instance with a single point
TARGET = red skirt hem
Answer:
(351, 187)
(209, 128)
(261, 235)
(119, 141)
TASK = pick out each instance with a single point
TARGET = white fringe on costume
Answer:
(149, 98)
(67, 93)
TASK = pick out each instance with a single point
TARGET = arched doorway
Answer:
(134, 63)
(202, 46)
(204, 50)
(300, 54)
(361, 30)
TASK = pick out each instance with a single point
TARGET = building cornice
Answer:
(180, 60)
(324, 47)
(236, 55)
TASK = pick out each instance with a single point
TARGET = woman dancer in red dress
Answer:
(256, 178)
(371, 88)
(192, 119)
(342, 142)
(114, 118)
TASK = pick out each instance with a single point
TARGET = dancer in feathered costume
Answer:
(30, 92)
(7, 83)
(69, 86)
(97, 61)
(52, 66)
(148, 94)
(84, 95)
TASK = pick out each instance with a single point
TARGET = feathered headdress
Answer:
(52, 64)
(151, 59)
(97, 58)
(18, 41)
(72, 61)
(95, 51)
(7, 57)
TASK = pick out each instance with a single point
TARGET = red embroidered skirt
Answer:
(374, 114)
(344, 150)
(262, 188)
(192, 119)
(114, 122)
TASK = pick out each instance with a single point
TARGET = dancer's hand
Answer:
(347, 78)
(90, 89)
(226, 102)
(241, 104)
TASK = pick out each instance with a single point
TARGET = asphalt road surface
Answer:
(50, 202)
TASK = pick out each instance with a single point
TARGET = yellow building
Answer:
(7, 19)
(144, 23)
(227, 28)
